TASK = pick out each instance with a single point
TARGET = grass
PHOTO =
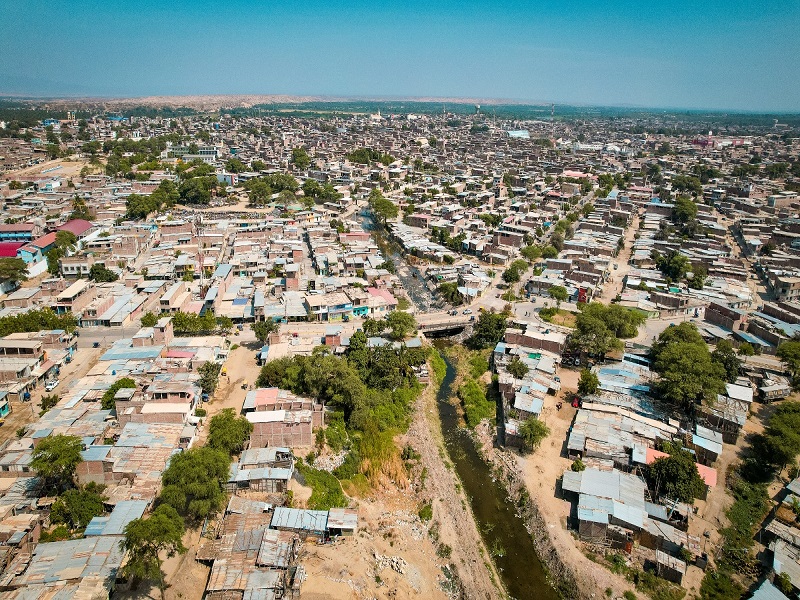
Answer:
(478, 364)
(476, 406)
(326, 490)
(438, 365)
(559, 317)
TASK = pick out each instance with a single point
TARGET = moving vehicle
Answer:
(51, 385)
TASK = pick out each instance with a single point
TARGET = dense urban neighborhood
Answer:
(366, 350)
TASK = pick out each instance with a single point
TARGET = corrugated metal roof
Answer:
(299, 519)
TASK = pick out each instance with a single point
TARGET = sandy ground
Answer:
(25, 413)
(541, 470)
(614, 284)
(69, 168)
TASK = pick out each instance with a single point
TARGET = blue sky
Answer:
(730, 54)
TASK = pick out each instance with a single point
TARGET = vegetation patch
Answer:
(326, 490)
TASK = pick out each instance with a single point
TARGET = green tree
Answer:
(262, 329)
(789, 353)
(725, 355)
(401, 324)
(79, 209)
(147, 539)
(588, 383)
(258, 165)
(192, 484)
(517, 368)
(300, 158)
(209, 377)
(559, 294)
(675, 476)
(13, 269)
(259, 192)
(100, 273)
(699, 276)
(229, 433)
(76, 507)
(593, 336)
(531, 253)
(780, 442)
(532, 432)
(55, 459)
(149, 319)
(234, 165)
(688, 375)
(746, 349)
(383, 208)
(684, 210)
(107, 401)
(489, 329)
(549, 252)
(449, 291)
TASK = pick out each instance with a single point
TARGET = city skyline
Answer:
(716, 56)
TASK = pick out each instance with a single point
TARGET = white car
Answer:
(468, 311)
(51, 385)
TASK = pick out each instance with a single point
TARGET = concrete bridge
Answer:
(441, 322)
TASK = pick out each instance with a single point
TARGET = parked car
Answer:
(467, 311)
(51, 385)
(96, 345)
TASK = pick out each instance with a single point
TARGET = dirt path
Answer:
(451, 511)
(614, 284)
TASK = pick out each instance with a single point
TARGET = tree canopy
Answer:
(383, 208)
(147, 538)
(262, 329)
(76, 507)
(193, 482)
(789, 353)
(675, 476)
(108, 396)
(229, 433)
(401, 324)
(532, 432)
(488, 330)
(13, 269)
(100, 273)
(588, 383)
(688, 374)
(55, 459)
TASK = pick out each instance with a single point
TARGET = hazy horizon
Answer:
(716, 56)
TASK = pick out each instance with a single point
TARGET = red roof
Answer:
(9, 249)
(76, 226)
(44, 241)
(13, 227)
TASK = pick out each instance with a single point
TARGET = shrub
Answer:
(426, 512)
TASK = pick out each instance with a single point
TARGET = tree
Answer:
(488, 330)
(55, 459)
(593, 336)
(725, 355)
(234, 165)
(77, 507)
(675, 476)
(688, 375)
(559, 294)
(13, 269)
(401, 324)
(511, 275)
(517, 368)
(145, 541)
(259, 191)
(532, 432)
(98, 272)
(549, 252)
(192, 484)
(449, 291)
(209, 377)
(149, 319)
(780, 442)
(789, 353)
(699, 276)
(262, 329)
(258, 165)
(685, 210)
(531, 253)
(373, 327)
(228, 433)
(383, 208)
(107, 401)
(79, 209)
(588, 383)
(746, 349)
(300, 158)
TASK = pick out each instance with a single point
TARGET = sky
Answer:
(704, 54)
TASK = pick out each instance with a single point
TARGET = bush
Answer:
(326, 490)
(438, 366)
(476, 406)
(578, 466)
(426, 512)
(200, 412)
(478, 365)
